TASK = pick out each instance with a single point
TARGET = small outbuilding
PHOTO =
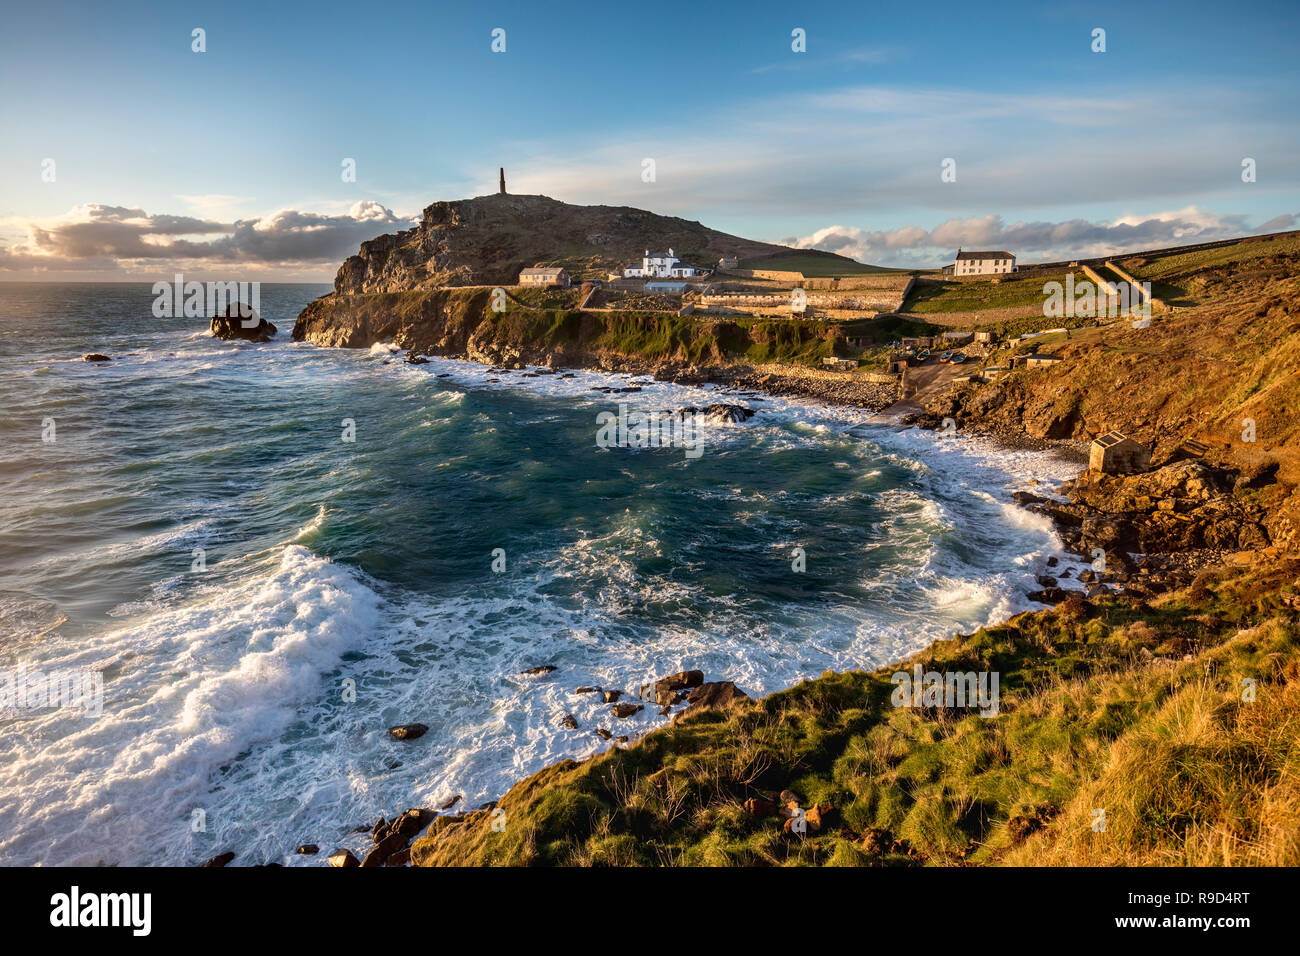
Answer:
(544, 276)
(1117, 454)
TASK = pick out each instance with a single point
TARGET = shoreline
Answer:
(735, 382)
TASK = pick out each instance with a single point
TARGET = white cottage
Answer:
(660, 265)
(982, 263)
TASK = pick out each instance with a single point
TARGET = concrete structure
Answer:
(983, 263)
(986, 338)
(1034, 360)
(545, 276)
(671, 288)
(1117, 454)
(840, 364)
(660, 265)
(728, 262)
(957, 338)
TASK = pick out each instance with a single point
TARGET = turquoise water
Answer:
(330, 565)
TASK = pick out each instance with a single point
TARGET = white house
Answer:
(660, 265)
(983, 263)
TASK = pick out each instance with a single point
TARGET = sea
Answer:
(256, 558)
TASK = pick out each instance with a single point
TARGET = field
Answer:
(970, 296)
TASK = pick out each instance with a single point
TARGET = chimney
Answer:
(503, 180)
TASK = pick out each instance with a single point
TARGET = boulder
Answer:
(569, 721)
(343, 858)
(719, 694)
(241, 321)
(95, 357)
(626, 710)
(308, 849)
(1049, 595)
(221, 860)
(408, 731)
(385, 848)
(680, 681)
(414, 820)
(538, 671)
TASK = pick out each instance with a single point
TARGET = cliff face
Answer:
(487, 240)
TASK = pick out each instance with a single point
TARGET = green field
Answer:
(972, 296)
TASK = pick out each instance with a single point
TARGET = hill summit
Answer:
(488, 239)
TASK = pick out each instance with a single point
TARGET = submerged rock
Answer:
(408, 731)
(95, 357)
(722, 412)
(221, 860)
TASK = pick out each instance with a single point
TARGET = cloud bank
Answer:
(123, 241)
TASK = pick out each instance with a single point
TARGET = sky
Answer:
(129, 155)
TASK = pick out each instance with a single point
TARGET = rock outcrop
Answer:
(241, 321)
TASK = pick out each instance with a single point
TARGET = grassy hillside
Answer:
(1103, 705)
(1186, 279)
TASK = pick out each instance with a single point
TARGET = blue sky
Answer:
(228, 161)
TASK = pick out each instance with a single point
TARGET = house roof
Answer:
(984, 255)
(541, 271)
(658, 255)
